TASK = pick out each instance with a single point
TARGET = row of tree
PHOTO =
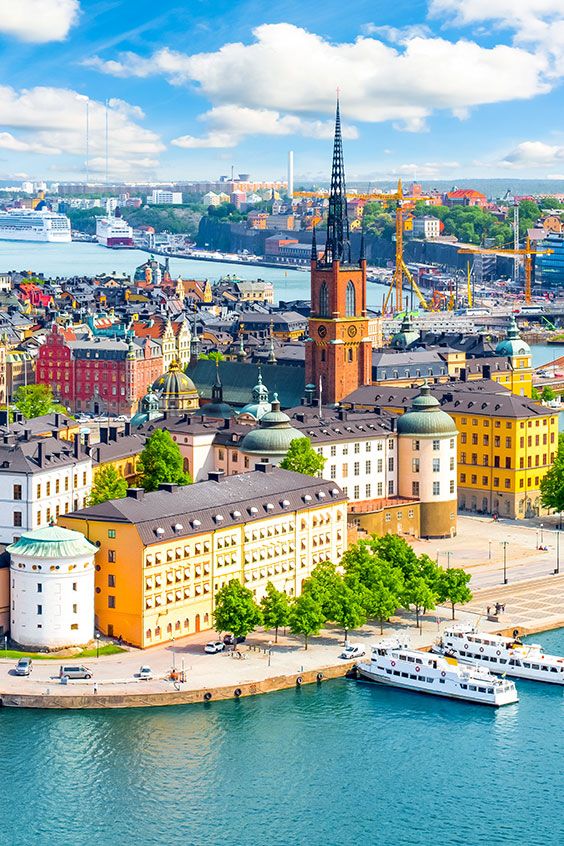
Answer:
(376, 578)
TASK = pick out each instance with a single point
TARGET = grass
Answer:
(109, 649)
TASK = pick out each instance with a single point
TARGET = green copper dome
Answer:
(260, 404)
(512, 344)
(52, 542)
(406, 336)
(426, 418)
(273, 435)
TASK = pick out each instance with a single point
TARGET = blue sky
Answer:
(434, 89)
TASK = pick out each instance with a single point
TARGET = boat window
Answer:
(490, 690)
(503, 660)
(464, 686)
(403, 658)
(535, 667)
(482, 689)
(553, 670)
(414, 677)
(493, 659)
(410, 658)
(405, 675)
(442, 681)
(396, 672)
(472, 687)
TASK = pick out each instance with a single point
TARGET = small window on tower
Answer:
(323, 300)
(350, 304)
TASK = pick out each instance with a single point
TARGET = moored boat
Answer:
(394, 664)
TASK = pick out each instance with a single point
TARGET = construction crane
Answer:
(401, 270)
(527, 252)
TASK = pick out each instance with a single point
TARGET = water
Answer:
(340, 763)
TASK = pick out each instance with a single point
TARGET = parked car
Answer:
(74, 671)
(231, 640)
(145, 672)
(353, 650)
(24, 667)
(214, 646)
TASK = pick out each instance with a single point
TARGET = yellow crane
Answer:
(527, 252)
(401, 270)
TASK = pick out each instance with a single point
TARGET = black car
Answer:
(231, 640)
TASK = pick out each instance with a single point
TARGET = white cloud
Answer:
(228, 125)
(426, 170)
(380, 82)
(53, 121)
(38, 21)
(534, 154)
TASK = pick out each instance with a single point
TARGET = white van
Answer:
(75, 671)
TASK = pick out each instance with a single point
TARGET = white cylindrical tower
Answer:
(52, 589)
(427, 447)
(290, 173)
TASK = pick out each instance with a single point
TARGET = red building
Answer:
(465, 197)
(98, 376)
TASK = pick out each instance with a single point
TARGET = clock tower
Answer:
(338, 349)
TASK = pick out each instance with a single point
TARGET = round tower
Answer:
(272, 437)
(427, 440)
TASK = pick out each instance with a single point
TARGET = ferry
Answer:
(32, 225)
(507, 655)
(114, 232)
(393, 663)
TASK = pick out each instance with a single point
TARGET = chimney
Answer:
(86, 440)
(264, 467)
(487, 371)
(76, 446)
(227, 423)
(104, 435)
(27, 434)
(393, 424)
(113, 433)
(40, 453)
(215, 475)
(342, 414)
(135, 493)
(463, 374)
(127, 428)
(57, 419)
(170, 487)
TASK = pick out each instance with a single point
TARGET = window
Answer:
(436, 446)
(436, 465)
(368, 467)
(452, 486)
(17, 518)
(39, 588)
(323, 300)
(40, 609)
(356, 493)
(415, 488)
(390, 488)
(357, 468)
(436, 488)
(111, 580)
(48, 488)
(17, 491)
(415, 465)
(416, 445)
(111, 556)
(390, 465)
(75, 609)
(452, 463)
(333, 450)
(111, 602)
(111, 533)
(350, 300)
(38, 491)
(462, 478)
(357, 447)
(368, 492)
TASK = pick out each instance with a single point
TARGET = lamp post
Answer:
(541, 535)
(269, 651)
(448, 560)
(557, 570)
(504, 544)
(489, 550)
(173, 655)
(97, 644)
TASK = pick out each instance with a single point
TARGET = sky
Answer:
(428, 88)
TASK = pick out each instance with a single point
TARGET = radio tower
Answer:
(516, 240)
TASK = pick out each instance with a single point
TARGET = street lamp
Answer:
(557, 571)
(269, 651)
(504, 544)
(448, 560)
(173, 655)
(489, 550)
(97, 644)
(541, 535)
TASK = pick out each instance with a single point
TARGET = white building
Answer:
(426, 227)
(52, 589)
(211, 199)
(159, 197)
(40, 479)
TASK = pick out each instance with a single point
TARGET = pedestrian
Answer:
(95, 688)
(489, 608)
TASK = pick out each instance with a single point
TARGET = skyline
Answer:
(443, 89)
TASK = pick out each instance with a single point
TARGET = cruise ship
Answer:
(506, 655)
(394, 664)
(114, 232)
(31, 225)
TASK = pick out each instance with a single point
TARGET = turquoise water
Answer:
(340, 763)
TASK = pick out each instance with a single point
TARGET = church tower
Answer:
(338, 348)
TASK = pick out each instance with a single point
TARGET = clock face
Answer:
(352, 330)
(322, 331)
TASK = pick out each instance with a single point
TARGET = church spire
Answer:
(314, 255)
(337, 247)
(217, 387)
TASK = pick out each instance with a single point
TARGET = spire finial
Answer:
(337, 247)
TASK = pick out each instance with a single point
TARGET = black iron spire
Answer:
(337, 247)
(314, 255)
(217, 387)
(362, 251)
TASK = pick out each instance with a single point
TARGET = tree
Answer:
(552, 484)
(548, 394)
(161, 461)
(275, 609)
(107, 484)
(302, 458)
(36, 400)
(213, 355)
(418, 593)
(236, 610)
(325, 586)
(453, 587)
(306, 617)
(384, 601)
(350, 613)
(378, 583)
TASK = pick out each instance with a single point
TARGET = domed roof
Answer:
(149, 409)
(52, 542)
(512, 344)
(175, 383)
(426, 418)
(273, 435)
(260, 404)
(406, 336)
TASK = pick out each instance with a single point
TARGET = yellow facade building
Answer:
(163, 556)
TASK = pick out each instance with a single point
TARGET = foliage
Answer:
(84, 220)
(324, 585)
(470, 224)
(379, 220)
(306, 617)
(106, 649)
(174, 219)
(349, 609)
(213, 355)
(161, 461)
(303, 458)
(453, 587)
(236, 610)
(107, 484)
(377, 582)
(552, 484)
(535, 394)
(36, 400)
(226, 211)
(275, 609)
(548, 394)
(419, 594)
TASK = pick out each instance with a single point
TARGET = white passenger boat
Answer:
(393, 663)
(499, 654)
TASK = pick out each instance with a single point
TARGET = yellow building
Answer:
(163, 556)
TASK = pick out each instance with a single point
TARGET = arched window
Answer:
(350, 305)
(323, 300)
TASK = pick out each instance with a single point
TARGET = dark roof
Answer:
(36, 456)
(239, 378)
(340, 425)
(124, 447)
(235, 499)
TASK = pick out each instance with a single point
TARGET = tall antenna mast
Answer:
(107, 136)
(87, 141)
(516, 240)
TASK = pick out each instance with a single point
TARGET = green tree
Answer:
(161, 461)
(453, 587)
(306, 617)
(214, 355)
(420, 595)
(378, 583)
(349, 612)
(107, 484)
(236, 610)
(36, 400)
(275, 609)
(325, 586)
(548, 394)
(535, 394)
(303, 458)
(552, 484)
